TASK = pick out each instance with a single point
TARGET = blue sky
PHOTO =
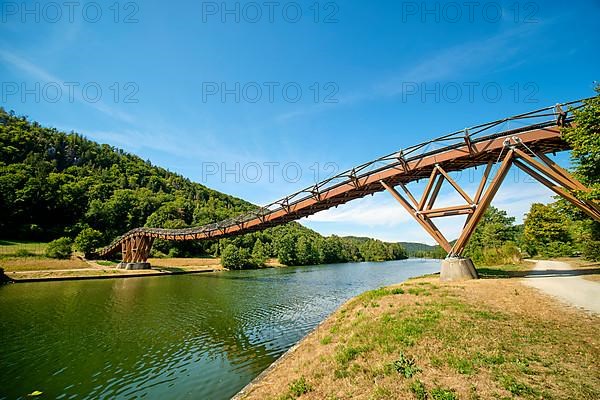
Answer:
(219, 91)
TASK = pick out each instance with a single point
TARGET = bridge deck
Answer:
(460, 150)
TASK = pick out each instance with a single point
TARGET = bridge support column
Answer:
(135, 251)
(454, 267)
(457, 269)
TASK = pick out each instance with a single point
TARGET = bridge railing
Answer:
(543, 117)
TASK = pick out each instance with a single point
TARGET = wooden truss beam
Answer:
(436, 191)
(455, 185)
(491, 191)
(428, 188)
(423, 211)
(421, 219)
(583, 206)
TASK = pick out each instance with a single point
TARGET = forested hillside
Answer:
(55, 184)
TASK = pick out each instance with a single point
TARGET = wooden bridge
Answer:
(495, 145)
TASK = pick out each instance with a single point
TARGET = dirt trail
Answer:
(562, 281)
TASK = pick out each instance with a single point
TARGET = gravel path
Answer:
(560, 280)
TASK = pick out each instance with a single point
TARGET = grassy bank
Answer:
(16, 248)
(488, 339)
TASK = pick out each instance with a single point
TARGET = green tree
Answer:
(584, 138)
(494, 239)
(546, 231)
(60, 248)
(286, 249)
(331, 250)
(259, 253)
(88, 241)
(374, 250)
(234, 257)
(306, 251)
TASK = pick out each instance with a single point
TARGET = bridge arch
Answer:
(525, 147)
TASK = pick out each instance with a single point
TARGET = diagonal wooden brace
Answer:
(469, 228)
(421, 219)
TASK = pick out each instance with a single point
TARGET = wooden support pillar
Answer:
(423, 210)
(544, 167)
(136, 249)
(558, 169)
(560, 178)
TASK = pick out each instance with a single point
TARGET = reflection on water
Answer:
(187, 337)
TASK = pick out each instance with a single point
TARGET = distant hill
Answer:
(413, 247)
(410, 247)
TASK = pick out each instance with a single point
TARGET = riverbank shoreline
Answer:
(22, 277)
(95, 269)
(489, 338)
(82, 269)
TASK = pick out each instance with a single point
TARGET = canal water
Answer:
(202, 336)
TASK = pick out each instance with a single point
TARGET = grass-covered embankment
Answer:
(26, 261)
(424, 339)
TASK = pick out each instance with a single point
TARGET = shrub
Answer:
(88, 241)
(557, 249)
(60, 248)
(591, 250)
(154, 253)
(234, 257)
(23, 253)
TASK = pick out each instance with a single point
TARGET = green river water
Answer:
(202, 336)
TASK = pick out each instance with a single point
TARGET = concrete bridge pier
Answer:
(458, 269)
(134, 266)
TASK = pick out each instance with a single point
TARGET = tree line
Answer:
(62, 185)
(57, 185)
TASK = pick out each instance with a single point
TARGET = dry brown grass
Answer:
(485, 339)
(185, 262)
(40, 264)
